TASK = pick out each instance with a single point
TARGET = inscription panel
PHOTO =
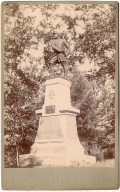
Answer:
(50, 109)
(50, 128)
(71, 127)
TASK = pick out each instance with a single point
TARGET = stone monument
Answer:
(57, 142)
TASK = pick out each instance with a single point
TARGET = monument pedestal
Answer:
(57, 142)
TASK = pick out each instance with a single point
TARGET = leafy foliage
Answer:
(96, 122)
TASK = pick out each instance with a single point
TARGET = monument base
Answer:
(62, 150)
(53, 160)
(57, 142)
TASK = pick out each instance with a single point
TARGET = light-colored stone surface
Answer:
(61, 89)
(57, 142)
(49, 128)
(53, 147)
(57, 93)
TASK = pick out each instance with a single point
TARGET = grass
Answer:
(106, 163)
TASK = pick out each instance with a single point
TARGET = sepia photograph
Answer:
(59, 85)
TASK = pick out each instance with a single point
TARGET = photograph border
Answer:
(72, 178)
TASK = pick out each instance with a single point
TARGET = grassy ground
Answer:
(107, 163)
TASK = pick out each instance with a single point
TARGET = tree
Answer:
(96, 122)
(21, 87)
(83, 98)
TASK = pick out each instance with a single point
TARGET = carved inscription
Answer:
(71, 127)
(50, 128)
(50, 109)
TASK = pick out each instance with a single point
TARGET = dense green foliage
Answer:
(96, 122)
(90, 30)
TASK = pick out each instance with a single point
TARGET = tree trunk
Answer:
(17, 159)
